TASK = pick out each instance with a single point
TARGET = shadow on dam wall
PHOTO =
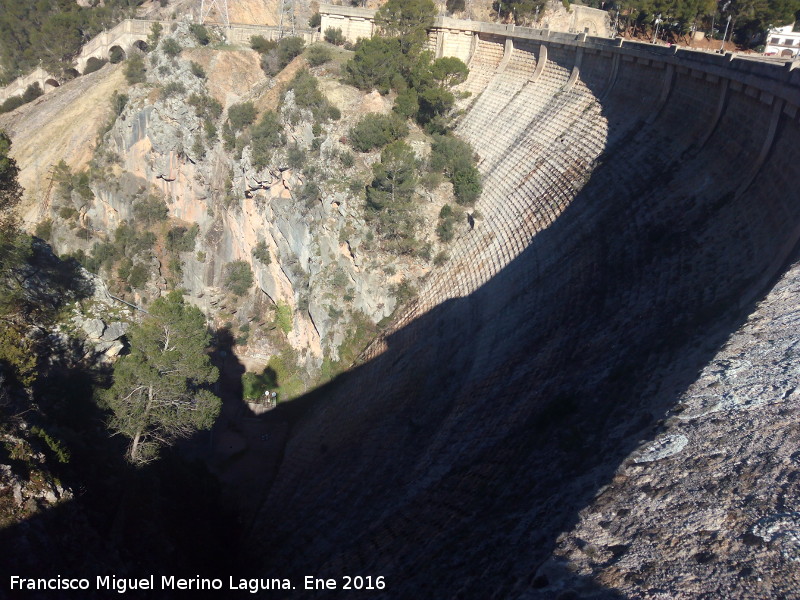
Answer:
(451, 462)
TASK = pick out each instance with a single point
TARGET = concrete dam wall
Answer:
(638, 203)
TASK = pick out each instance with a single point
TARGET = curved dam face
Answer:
(523, 429)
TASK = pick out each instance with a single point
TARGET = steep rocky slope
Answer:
(318, 258)
(723, 468)
(62, 125)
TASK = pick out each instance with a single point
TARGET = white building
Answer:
(783, 41)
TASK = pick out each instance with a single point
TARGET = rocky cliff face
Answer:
(319, 261)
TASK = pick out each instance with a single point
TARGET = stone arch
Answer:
(140, 45)
(93, 64)
(116, 54)
(787, 52)
(50, 84)
(71, 73)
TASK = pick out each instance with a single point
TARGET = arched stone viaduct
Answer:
(131, 34)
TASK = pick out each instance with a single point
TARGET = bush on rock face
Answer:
(238, 277)
(241, 115)
(265, 136)
(375, 131)
(171, 47)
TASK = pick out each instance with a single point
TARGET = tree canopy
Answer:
(160, 390)
(396, 61)
(14, 247)
(10, 190)
(749, 18)
(51, 31)
(408, 20)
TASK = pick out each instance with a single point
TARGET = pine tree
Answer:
(159, 392)
(408, 20)
(10, 190)
(15, 246)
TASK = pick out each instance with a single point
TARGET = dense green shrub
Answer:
(315, 20)
(154, 36)
(205, 106)
(317, 55)
(171, 47)
(334, 36)
(130, 242)
(181, 239)
(32, 92)
(67, 212)
(261, 44)
(254, 385)
(118, 103)
(261, 253)
(295, 157)
(448, 71)
(138, 276)
(407, 103)
(306, 91)
(44, 229)
(309, 193)
(288, 48)
(94, 64)
(241, 115)
(238, 277)
(265, 136)
(404, 291)
(441, 259)
(174, 88)
(455, 157)
(377, 64)
(307, 94)
(150, 209)
(210, 130)
(448, 217)
(228, 136)
(57, 446)
(11, 104)
(276, 55)
(389, 198)
(466, 185)
(116, 55)
(375, 131)
(408, 20)
(198, 70)
(200, 33)
(135, 69)
(347, 159)
(455, 5)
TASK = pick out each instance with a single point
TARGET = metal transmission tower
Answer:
(286, 16)
(206, 6)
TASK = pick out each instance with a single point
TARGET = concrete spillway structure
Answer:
(637, 202)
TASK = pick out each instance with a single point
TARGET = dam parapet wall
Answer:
(460, 38)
